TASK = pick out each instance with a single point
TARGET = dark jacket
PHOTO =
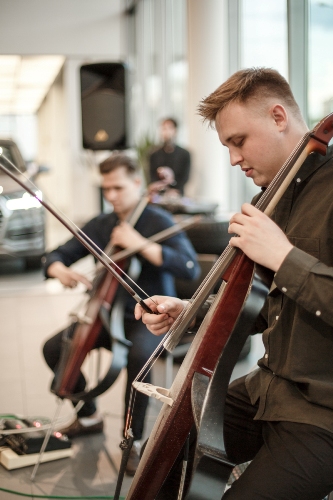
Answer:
(178, 160)
(295, 379)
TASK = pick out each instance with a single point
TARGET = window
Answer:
(320, 96)
(264, 35)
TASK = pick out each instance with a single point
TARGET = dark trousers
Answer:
(290, 461)
(144, 344)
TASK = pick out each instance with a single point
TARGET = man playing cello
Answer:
(158, 265)
(280, 416)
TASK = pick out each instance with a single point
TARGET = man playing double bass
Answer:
(279, 416)
(158, 265)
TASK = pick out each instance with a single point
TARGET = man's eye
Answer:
(239, 143)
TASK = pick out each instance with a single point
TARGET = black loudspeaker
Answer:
(103, 106)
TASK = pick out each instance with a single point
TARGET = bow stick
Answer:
(99, 255)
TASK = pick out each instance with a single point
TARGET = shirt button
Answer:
(298, 180)
(189, 264)
(266, 356)
(276, 317)
(318, 313)
(284, 289)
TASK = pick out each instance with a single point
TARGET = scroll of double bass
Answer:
(223, 322)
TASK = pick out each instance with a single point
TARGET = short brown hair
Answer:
(171, 120)
(251, 83)
(118, 160)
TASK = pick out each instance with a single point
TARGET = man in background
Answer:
(170, 163)
(157, 265)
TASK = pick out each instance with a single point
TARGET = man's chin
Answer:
(259, 182)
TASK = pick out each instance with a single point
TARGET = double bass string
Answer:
(227, 253)
(228, 250)
(160, 348)
(107, 260)
(109, 249)
(287, 165)
(206, 283)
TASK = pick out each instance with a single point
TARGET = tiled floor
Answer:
(31, 310)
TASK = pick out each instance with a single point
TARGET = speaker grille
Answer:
(103, 106)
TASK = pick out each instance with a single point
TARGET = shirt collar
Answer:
(311, 164)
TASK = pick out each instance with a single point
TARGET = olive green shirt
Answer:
(294, 381)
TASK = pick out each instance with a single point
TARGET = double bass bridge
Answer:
(154, 391)
(81, 318)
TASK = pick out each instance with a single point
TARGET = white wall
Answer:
(208, 68)
(54, 147)
(73, 182)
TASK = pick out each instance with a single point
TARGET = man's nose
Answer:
(235, 158)
(110, 195)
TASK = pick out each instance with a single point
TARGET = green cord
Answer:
(9, 415)
(31, 495)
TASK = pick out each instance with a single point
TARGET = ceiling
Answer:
(24, 82)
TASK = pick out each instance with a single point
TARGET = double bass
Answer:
(97, 314)
(80, 337)
(87, 325)
(207, 367)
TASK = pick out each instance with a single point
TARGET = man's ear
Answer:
(280, 116)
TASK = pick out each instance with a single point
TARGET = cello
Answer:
(212, 355)
(97, 314)
(87, 327)
(97, 311)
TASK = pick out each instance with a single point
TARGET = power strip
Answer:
(11, 460)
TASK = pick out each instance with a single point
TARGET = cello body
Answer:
(213, 354)
(175, 422)
(87, 330)
(97, 314)
(212, 466)
(84, 338)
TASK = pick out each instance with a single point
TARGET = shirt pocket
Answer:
(308, 245)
